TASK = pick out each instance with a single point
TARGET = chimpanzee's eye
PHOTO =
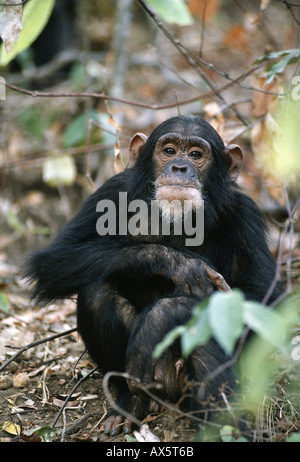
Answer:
(196, 154)
(169, 151)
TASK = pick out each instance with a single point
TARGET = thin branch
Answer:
(69, 151)
(289, 3)
(196, 61)
(189, 57)
(112, 402)
(70, 395)
(104, 97)
(31, 345)
(289, 7)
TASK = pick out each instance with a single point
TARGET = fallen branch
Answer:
(24, 348)
(70, 395)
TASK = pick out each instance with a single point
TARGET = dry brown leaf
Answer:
(236, 37)
(209, 7)
(264, 103)
(118, 163)
(11, 24)
(113, 123)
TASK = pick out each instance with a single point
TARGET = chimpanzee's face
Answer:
(183, 157)
(180, 164)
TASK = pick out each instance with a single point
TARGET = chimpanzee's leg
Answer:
(105, 320)
(167, 377)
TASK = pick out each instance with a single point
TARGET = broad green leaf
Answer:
(35, 16)
(266, 323)
(197, 332)
(77, 130)
(226, 318)
(172, 11)
(4, 303)
(284, 158)
(60, 170)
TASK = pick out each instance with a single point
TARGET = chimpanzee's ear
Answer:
(136, 143)
(234, 157)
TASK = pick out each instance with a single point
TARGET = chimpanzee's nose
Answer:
(179, 167)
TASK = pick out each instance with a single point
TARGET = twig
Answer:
(68, 151)
(196, 61)
(31, 345)
(155, 107)
(188, 56)
(202, 28)
(112, 402)
(70, 395)
(73, 428)
(289, 7)
(145, 389)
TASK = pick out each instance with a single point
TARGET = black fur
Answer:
(120, 292)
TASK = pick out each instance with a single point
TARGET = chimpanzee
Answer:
(135, 286)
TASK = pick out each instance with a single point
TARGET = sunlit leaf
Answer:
(265, 322)
(230, 434)
(11, 428)
(60, 170)
(282, 139)
(226, 318)
(174, 11)
(197, 332)
(35, 16)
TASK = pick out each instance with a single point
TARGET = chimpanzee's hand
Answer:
(196, 277)
(191, 278)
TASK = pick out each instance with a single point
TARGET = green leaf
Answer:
(287, 57)
(4, 303)
(266, 323)
(76, 132)
(14, 222)
(35, 17)
(226, 318)
(294, 438)
(197, 332)
(59, 170)
(168, 340)
(46, 433)
(230, 434)
(172, 11)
